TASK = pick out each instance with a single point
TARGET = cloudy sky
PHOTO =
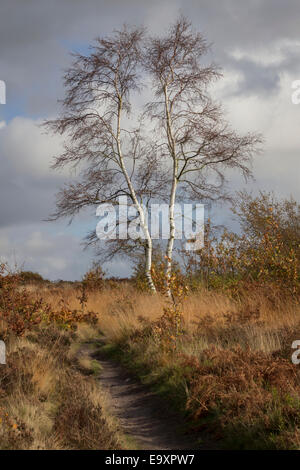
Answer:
(256, 42)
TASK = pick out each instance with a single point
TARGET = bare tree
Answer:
(112, 160)
(191, 130)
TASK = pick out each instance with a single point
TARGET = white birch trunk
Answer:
(170, 244)
(144, 226)
(172, 148)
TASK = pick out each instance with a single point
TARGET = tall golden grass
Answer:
(120, 310)
(231, 370)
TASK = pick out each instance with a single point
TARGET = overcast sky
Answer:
(256, 42)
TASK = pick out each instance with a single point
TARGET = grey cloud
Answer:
(27, 186)
(35, 39)
(256, 79)
(232, 23)
(35, 36)
(259, 77)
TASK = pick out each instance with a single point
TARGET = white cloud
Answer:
(270, 54)
(27, 183)
(33, 248)
(37, 244)
(278, 120)
(28, 150)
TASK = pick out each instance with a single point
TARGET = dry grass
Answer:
(262, 319)
(36, 386)
(231, 371)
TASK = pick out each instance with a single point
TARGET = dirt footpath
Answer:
(143, 416)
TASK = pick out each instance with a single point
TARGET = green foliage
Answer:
(31, 277)
(266, 252)
(20, 311)
(93, 278)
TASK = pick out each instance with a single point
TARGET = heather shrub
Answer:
(264, 255)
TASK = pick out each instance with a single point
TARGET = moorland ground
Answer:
(227, 369)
